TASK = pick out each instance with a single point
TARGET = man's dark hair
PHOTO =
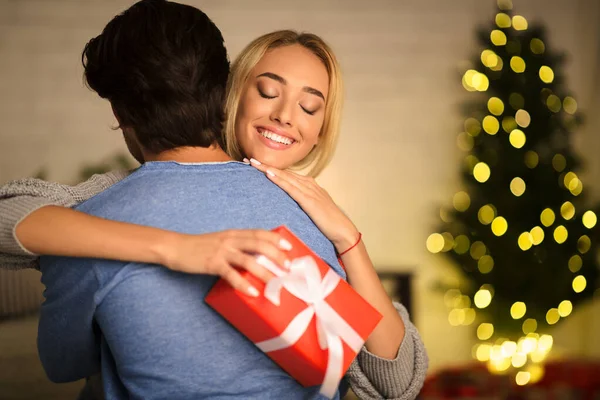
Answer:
(163, 67)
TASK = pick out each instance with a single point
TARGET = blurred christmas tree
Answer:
(520, 231)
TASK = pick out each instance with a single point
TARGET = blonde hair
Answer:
(322, 153)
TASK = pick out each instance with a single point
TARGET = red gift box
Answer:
(313, 334)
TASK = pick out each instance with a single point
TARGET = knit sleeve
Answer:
(372, 377)
(20, 198)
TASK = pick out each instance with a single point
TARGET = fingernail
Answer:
(246, 161)
(287, 264)
(252, 291)
(253, 161)
(270, 173)
(285, 245)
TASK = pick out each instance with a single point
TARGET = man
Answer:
(163, 67)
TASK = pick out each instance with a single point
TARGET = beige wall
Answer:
(397, 160)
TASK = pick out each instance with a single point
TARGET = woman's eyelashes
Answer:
(264, 95)
(270, 96)
(308, 111)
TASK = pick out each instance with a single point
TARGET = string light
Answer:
(546, 74)
(461, 244)
(461, 201)
(481, 172)
(485, 264)
(552, 316)
(499, 226)
(495, 105)
(565, 308)
(517, 310)
(519, 23)
(570, 105)
(575, 263)
(517, 64)
(517, 186)
(531, 159)
(553, 102)
(537, 46)
(498, 38)
(560, 234)
(529, 325)
(522, 118)
(547, 217)
(567, 210)
(525, 241)
(435, 243)
(503, 20)
(537, 235)
(579, 283)
(517, 138)
(559, 162)
(490, 124)
(508, 124)
(583, 244)
(589, 219)
(485, 331)
(486, 214)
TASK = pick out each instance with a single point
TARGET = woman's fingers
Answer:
(267, 249)
(237, 282)
(295, 185)
(250, 264)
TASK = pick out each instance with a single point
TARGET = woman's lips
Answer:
(273, 139)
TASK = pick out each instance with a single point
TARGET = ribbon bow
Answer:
(304, 282)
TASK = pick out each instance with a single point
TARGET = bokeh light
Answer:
(560, 234)
(531, 159)
(575, 263)
(517, 138)
(546, 74)
(589, 219)
(481, 172)
(537, 46)
(522, 118)
(517, 64)
(579, 283)
(499, 226)
(517, 186)
(498, 37)
(547, 217)
(519, 23)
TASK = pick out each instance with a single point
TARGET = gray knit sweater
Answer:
(370, 377)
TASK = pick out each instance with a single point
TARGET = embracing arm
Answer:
(393, 362)
(22, 202)
(39, 222)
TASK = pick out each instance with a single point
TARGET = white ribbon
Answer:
(304, 282)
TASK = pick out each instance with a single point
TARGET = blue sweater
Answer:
(159, 339)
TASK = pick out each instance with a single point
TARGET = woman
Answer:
(283, 108)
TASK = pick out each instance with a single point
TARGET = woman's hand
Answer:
(316, 202)
(220, 252)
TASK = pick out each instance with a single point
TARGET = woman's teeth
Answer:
(275, 137)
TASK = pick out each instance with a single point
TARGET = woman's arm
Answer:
(390, 359)
(402, 378)
(49, 229)
(19, 199)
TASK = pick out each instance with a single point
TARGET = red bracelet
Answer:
(353, 246)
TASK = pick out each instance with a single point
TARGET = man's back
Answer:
(160, 340)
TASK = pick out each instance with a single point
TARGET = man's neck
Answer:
(191, 155)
